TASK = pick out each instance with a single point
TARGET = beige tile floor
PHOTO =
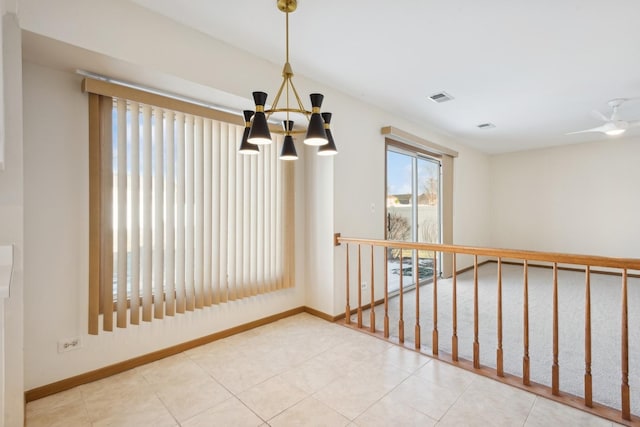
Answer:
(300, 371)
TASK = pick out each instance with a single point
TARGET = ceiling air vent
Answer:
(441, 97)
(486, 125)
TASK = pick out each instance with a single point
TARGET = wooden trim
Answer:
(555, 367)
(411, 150)
(624, 352)
(434, 333)
(372, 313)
(476, 326)
(526, 366)
(359, 311)
(386, 294)
(322, 315)
(471, 267)
(499, 350)
(66, 384)
(347, 308)
(588, 379)
(538, 389)
(416, 141)
(100, 87)
(591, 260)
(454, 311)
(353, 311)
(577, 270)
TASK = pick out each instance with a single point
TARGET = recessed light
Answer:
(486, 126)
(440, 97)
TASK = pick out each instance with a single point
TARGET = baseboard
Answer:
(579, 270)
(107, 371)
(471, 267)
(377, 302)
(321, 315)
(355, 310)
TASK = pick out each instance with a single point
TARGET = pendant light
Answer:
(288, 147)
(245, 146)
(328, 149)
(316, 131)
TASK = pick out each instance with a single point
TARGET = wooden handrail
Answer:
(401, 319)
(454, 312)
(560, 258)
(499, 350)
(434, 338)
(588, 380)
(416, 280)
(372, 312)
(499, 255)
(526, 367)
(386, 296)
(555, 367)
(476, 321)
(624, 352)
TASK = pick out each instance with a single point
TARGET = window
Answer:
(419, 203)
(413, 212)
(178, 220)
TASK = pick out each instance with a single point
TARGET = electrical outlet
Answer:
(364, 285)
(69, 344)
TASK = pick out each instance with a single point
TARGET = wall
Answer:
(319, 232)
(12, 227)
(333, 194)
(359, 185)
(577, 199)
(56, 262)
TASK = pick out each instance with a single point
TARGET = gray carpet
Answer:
(605, 327)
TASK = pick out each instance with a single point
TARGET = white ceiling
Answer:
(534, 68)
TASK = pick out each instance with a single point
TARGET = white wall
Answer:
(576, 199)
(359, 183)
(56, 249)
(336, 193)
(12, 227)
(319, 231)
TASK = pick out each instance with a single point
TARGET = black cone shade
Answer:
(316, 134)
(288, 147)
(259, 133)
(245, 146)
(328, 149)
(287, 125)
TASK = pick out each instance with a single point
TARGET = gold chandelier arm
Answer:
(300, 105)
(291, 132)
(274, 106)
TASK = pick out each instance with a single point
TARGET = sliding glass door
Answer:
(413, 213)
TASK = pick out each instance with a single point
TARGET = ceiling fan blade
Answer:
(602, 128)
(598, 115)
(614, 114)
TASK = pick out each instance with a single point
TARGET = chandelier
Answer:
(256, 131)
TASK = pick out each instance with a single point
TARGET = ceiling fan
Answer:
(612, 125)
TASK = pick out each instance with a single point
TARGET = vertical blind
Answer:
(193, 222)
